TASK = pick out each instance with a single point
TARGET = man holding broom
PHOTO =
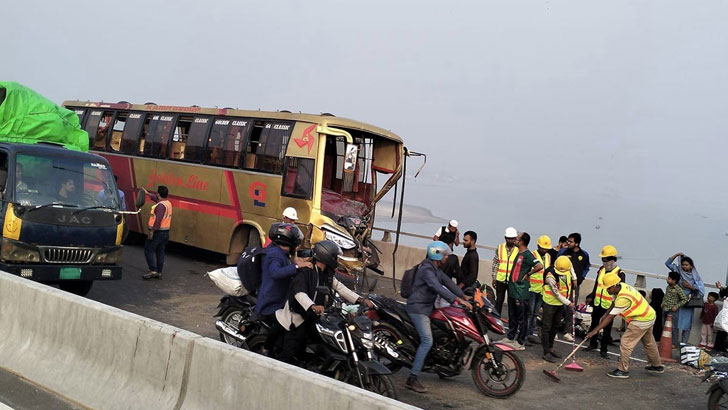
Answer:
(640, 318)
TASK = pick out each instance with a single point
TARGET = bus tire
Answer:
(244, 236)
(77, 287)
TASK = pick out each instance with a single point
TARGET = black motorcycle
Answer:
(235, 323)
(718, 391)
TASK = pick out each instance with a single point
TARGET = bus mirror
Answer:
(141, 198)
(352, 151)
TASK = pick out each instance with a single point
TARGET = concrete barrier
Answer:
(105, 358)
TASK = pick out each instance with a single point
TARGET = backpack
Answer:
(250, 268)
(408, 281)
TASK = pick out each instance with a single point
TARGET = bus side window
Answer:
(117, 131)
(81, 114)
(92, 126)
(233, 148)
(179, 138)
(130, 135)
(157, 142)
(216, 141)
(267, 145)
(194, 149)
(298, 178)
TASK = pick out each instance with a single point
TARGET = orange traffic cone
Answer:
(665, 347)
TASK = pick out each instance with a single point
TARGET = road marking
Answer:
(5, 407)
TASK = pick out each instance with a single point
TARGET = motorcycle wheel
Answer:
(232, 317)
(718, 400)
(502, 380)
(382, 384)
(391, 334)
(256, 343)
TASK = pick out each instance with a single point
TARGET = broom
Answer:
(552, 374)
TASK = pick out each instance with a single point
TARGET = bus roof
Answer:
(323, 119)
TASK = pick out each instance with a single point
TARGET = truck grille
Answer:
(61, 254)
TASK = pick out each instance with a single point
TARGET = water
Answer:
(645, 228)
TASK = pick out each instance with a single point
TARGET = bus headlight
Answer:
(15, 251)
(341, 240)
(109, 257)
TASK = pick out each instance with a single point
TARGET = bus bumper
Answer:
(62, 273)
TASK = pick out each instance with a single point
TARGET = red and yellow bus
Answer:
(230, 172)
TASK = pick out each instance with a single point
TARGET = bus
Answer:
(231, 172)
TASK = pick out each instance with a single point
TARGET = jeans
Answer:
(422, 324)
(533, 307)
(500, 295)
(517, 312)
(155, 247)
(550, 320)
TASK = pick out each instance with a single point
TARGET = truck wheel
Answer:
(78, 287)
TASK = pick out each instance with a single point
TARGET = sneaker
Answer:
(554, 354)
(548, 357)
(616, 373)
(151, 274)
(591, 348)
(414, 385)
(655, 369)
(518, 346)
(604, 355)
(506, 341)
(568, 337)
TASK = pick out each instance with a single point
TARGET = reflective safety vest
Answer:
(601, 296)
(564, 283)
(166, 219)
(505, 263)
(537, 277)
(638, 308)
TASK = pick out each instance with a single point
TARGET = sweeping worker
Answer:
(640, 318)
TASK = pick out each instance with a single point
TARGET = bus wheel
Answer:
(242, 238)
(79, 287)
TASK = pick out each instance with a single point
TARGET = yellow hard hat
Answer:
(562, 266)
(608, 251)
(611, 279)
(544, 241)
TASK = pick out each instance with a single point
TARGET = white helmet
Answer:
(290, 213)
(511, 232)
(454, 223)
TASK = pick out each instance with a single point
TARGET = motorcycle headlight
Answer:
(344, 242)
(15, 251)
(109, 257)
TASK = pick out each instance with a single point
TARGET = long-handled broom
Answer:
(573, 366)
(552, 374)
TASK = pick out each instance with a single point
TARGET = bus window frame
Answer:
(81, 117)
(250, 122)
(143, 119)
(284, 176)
(164, 154)
(206, 135)
(114, 118)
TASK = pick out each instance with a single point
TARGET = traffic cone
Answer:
(665, 347)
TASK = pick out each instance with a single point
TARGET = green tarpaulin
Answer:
(28, 117)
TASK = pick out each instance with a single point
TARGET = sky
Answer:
(570, 104)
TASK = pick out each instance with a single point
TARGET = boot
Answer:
(413, 384)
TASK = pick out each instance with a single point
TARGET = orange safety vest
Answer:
(166, 219)
(505, 263)
(601, 296)
(537, 277)
(564, 289)
(638, 309)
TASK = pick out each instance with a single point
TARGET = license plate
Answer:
(70, 273)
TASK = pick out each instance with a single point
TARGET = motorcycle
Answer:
(460, 342)
(342, 348)
(235, 322)
(718, 391)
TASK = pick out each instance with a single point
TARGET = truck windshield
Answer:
(75, 182)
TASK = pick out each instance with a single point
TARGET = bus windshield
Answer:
(71, 181)
(348, 193)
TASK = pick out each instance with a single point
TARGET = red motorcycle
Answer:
(460, 342)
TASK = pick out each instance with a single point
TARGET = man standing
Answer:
(503, 260)
(580, 262)
(518, 294)
(556, 290)
(290, 216)
(640, 317)
(160, 220)
(602, 300)
(543, 255)
(429, 282)
(471, 261)
(448, 234)
(562, 244)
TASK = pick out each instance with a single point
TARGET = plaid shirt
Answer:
(674, 297)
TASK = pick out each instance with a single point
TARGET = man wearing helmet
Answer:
(601, 300)
(428, 283)
(279, 266)
(305, 302)
(557, 287)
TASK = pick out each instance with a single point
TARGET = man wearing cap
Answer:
(448, 234)
(601, 300)
(543, 254)
(640, 317)
(290, 215)
(503, 260)
(556, 290)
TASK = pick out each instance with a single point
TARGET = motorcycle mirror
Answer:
(141, 198)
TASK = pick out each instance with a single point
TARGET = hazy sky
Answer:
(624, 99)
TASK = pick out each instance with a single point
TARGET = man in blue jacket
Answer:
(429, 282)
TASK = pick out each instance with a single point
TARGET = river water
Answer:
(645, 228)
